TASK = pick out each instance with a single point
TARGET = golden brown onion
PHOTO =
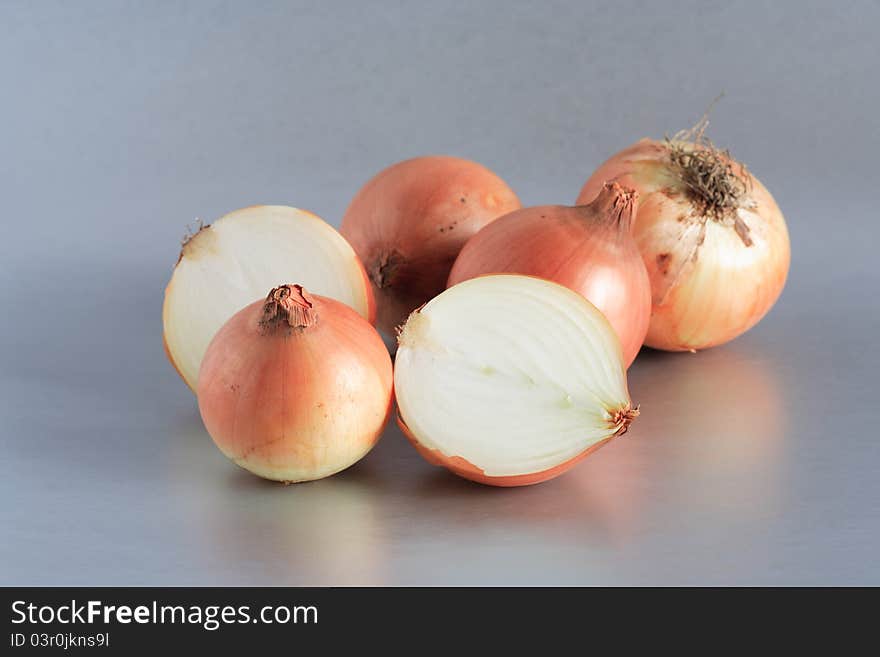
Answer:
(586, 248)
(713, 240)
(410, 221)
(296, 387)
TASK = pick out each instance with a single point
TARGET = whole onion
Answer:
(713, 240)
(296, 387)
(409, 223)
(586, 248)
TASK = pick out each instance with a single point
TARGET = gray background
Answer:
(753, 463)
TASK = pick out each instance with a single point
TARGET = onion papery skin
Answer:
(708, 285)
(232, 262)
(298, 401)
(588, 249)
(410, 221)
(510, 380)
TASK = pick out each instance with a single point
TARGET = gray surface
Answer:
(754, 463)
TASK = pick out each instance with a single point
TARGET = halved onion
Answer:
(510, 380)
(232, 262)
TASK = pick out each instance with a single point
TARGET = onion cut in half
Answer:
(231, 263)
(510, 380)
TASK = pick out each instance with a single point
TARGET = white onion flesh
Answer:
(232, 263)
(514, 374)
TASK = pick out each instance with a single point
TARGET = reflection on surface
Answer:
(320, 532)
(718, 416)
(597, 499)
(704, 457)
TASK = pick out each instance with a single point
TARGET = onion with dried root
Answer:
(232, 262)
(296, 387)
(410, 221)
(713, 240)
(587, 248)
(510, 380)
